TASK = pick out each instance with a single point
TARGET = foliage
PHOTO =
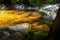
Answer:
(39, 2)
(27, 3)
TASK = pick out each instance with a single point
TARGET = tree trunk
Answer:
(54, 33)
